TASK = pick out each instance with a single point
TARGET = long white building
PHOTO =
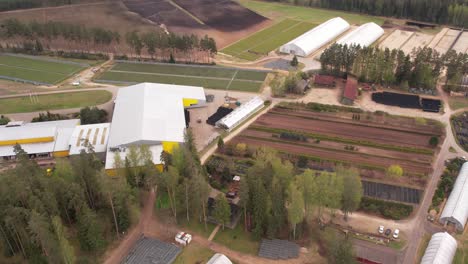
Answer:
(364, 36)
(441, 249)
(316, 38)
(456, 209)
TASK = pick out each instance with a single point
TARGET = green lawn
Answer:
(194, 253)
(313, 15)
(237, 239)
(458, 102)
(461, 257)
(266, 40)
(54, 101)
(205, 76)
(37, 69)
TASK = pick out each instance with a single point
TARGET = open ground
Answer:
(53, 101)
(36, 69)
(205, 76)
(262, 42)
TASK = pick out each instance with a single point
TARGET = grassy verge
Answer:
(53, 101)
(194, 253)
(461, 257)
(458, 102)
(314, 15)
(237, 239)
(422, 247)
(196, 227)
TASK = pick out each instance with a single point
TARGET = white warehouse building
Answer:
(456, 209)
(363, 36)
(441, 249)
(316, 38)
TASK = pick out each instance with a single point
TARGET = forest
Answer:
(420, 69)
(454, 12)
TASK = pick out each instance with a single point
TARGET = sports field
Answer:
(27, 104)
(313, 15)
(206, 76)
(36, 69)
(264, 41)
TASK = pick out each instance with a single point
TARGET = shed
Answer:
(350, 92)
(316, 38)
(456, 209)
(441, 249)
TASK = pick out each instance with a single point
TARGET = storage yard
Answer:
(264, 41)
(366, 139)
(37, 70)
(416, 40)
(210, 77)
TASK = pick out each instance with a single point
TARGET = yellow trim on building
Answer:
(61, 154)
(169, 146)
(26, 141)
(189, 102)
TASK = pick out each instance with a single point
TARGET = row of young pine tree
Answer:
(420, 69)
(43, 214)
(454, 12)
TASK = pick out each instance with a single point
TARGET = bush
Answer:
(293, 136)
(447, 180)
(434, 141)
(92, 115)
(49, 117)
(4, 120)
(392, 210)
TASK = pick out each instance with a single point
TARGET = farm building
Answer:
(441, 249)
(95, 135)
(363, 36)
(240, 114)
(219, 259)
(42, 139)
(350, 91)
(456, 209)
(316, 38)
(151, 114)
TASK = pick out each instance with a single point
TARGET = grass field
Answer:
(458, 102)
(205, 76)
(461, 257)
(194, 253)
(312, 15)
(37, 69)
(264, 41)
(53, 101)
(237, 239)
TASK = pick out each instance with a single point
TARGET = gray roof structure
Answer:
(441, 249)
(152, 251)
(278, 249)
(456, 208)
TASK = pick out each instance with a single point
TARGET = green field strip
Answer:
(32, 75)
(38, 64)
(206, 82)
(54, 101)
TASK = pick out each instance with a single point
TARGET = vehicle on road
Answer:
(388, 232)
(396, 233)
(381, 229)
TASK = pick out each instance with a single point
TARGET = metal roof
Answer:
(315, 38)
(456, 208)
(441, 249)
(149, 113)
(364, 35)
(152, 251)
(219, 259)
(95, 134)
(240, 113)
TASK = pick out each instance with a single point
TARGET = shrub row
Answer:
(447, 180)
(392, 210)
(316, 107)
(293, 136)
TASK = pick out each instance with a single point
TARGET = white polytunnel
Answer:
(316, 38)
(240, 114)
(363, 36)
(456, 209)
(441, 249)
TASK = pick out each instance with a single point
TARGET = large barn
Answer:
(456, 209)
(314, 39)
(441, 249)
(363, 36)
(150, 114)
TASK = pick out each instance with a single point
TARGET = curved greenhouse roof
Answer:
(456, 208)
(441, 249)
(364, 35)
(316, 38)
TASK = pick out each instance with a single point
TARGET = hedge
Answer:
(392, 210)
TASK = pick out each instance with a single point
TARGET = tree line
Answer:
(453, 12)
(274, 197)
(421, 69)
(6, 5)
(43, 213)
(166, 46)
